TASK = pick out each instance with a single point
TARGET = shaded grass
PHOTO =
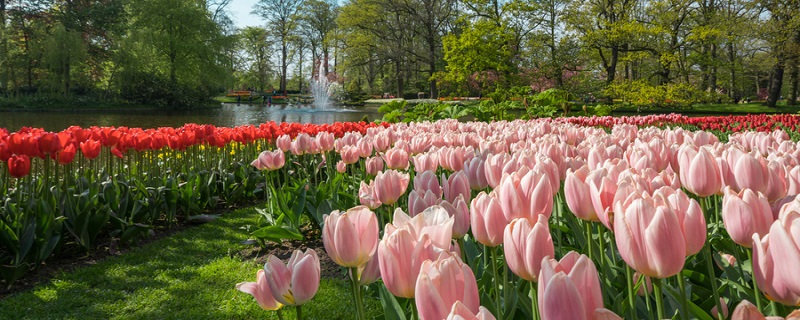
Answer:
(190, 275)
(721, 109)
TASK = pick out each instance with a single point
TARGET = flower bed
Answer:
(446, 219)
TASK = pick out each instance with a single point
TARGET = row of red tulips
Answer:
(526, 218)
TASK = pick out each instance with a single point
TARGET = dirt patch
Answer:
(283, 251)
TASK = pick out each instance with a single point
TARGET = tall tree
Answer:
(780, 31)
(281, 16)
(256, 46)
(318, 21)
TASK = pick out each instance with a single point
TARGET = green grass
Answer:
(189, 275)
(722, 109)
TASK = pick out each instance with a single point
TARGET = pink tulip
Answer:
(390, 185)
(341, 167)
(569, 289)
(296, 282)
(461, 312)
(525, 195)
(487, 220)
(576, 193)
(284, 142)
(428, 181)
(419, 144)
(493, 168)
(724, 306)
(419, 200)
(351, 238)
(301, 144)
(476, 173)
(435, 222)
(457, 184)
(459, 210)
(525, 246)
(260, 291)
(381, 141)
(699, 172)
(325, 140)
(777, 185)
(425, 162)
(349, 154)
(776, 257)
(747, 311)
(690, 217)
(648, 240)
(269, 160)
(751, 172)
(396, 159)
(602, 190)
(645, 288)
(374, 165)
(605, 314)
(364, 147)
(442, 283)
(744, 214)
(370, 272)
(400, 256)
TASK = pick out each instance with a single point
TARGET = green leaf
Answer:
(391, 307)
(277, 234)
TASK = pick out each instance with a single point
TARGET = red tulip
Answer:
(296, 282)
(260, 291)
(67, 154)
(19, 166)
(442, 283)
(90, 149)
(351, 238)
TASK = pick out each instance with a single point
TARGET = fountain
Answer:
(319, 88)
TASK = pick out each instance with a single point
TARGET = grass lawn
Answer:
(189, 275)
(723, 109)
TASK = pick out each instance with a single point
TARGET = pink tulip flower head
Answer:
(461, 312)
(476, 173)
(260, 291)
(690, 217)
(699, 171)
(459, 210)
(576, 193)
(525, 194)
(364, 147)
(569, 289)
(349, 154)
(374, 165)
(301, 144)
(493, 168)
(744, 214)
(776, 257)
(487, 219)
(751, 172)
(351, 238)
(419, 200)
(747, 311)
(443, 282)
(341, 167)
(525, 245)
(296, 282)
(602, 190)
(325, 140)
(724, 306)
(778, 185)
(648, 240)
(381, 141)
(284, 142)
(396, 159)
(390, 185)
(457, 184)
(427, 181)
(269, 160)
(426, 162)
(370, 272)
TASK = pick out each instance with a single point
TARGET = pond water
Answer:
(228, 115)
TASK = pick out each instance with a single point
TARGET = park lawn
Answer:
(189, 275)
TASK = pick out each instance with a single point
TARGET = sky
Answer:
(240, 13)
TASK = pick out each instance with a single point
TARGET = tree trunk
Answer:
(793, 78)
(611, 68)
(712, 79)
(776, 81)
(399, 76)
(732, 59)
(3, 49)
(284, 65)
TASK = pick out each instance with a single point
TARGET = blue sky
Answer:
(240, 13)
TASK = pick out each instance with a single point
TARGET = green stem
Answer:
(684, 300)
(357, 293)
(499, 307)
(756, 294)
(631, 293)
(713, 278)
(534, 302)
(588, 227)
(280, 314)
(299, 310)
(657, 283)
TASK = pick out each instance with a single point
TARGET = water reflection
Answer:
(228, 115)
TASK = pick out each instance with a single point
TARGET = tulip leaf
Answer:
(277, 234)
(391, 307)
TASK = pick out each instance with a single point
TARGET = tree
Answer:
(317, 22)
(281, 15)
(256, 46)
(780, 31)
(482, 51)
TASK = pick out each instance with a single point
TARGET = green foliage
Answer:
(643, 95)
(157, 90)
(481, 47)
(401, 111)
